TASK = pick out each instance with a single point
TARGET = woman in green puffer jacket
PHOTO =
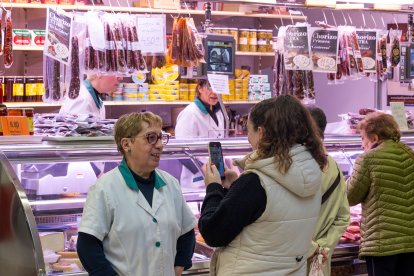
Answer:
(383, 181)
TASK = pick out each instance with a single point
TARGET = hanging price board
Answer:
(151, 34)
(14, 125)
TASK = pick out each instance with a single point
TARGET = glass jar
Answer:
(269, 40)
(14, 111)
(29, 113)
(30, 89)
(244, 40)
(8, 89)
(252, 40)
(261, 41)
(40, 89)
(234, 32)
(3, 112)
(225, 31)
(18, 89)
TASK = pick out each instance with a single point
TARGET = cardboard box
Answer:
(156, 4)
(230, 7)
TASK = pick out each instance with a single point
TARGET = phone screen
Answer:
(216, 156)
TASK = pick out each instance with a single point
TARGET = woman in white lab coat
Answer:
(135, 220)
(89, 100)
(203, 118)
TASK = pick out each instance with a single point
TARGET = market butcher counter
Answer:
(44, 184)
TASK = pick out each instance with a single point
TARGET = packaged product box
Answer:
(21, 37)
(37, 37)
(265, 87)
(66, 2)
(259, 79)
(230, 7)
(156, 4)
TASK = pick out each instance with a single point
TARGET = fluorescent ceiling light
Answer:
(349, 6)
(321, 3)
(389, 2)
(387, 7)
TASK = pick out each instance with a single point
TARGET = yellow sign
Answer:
(14, 125)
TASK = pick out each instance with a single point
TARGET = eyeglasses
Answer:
(153, 138)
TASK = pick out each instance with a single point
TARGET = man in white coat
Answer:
(89, 100)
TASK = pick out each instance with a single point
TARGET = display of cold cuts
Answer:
(220, 56)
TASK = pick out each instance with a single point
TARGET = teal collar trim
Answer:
(200, 106)
(93, 93)
(130, 181)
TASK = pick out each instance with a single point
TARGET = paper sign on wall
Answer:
(151, 34)
(398, 111)
(219, 83)
(58, 35)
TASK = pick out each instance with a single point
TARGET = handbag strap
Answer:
(332, 188)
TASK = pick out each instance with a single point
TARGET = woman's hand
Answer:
(212, 174)
(230, 177)
(178, 270)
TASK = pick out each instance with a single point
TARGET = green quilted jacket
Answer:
(383, 181)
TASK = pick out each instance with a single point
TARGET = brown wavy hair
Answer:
(381, 124)
(286, 122)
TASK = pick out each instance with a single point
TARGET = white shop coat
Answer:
(137, 239)
(86, 103)
(195, 122)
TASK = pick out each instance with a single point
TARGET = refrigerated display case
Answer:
(44, 186)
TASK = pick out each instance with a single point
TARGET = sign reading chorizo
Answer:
(58, 35)
(296, 48)
(324, 48)
(367, 41)
(151, 34)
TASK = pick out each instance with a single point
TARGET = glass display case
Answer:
(44, 185)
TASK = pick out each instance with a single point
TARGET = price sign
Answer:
(14, 125)
(151, 34)
(219, 83)
(398, 111)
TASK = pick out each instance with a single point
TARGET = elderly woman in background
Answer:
(263, 221)
(383, 181)
(135, 220)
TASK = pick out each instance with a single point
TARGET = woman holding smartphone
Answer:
(263, 220)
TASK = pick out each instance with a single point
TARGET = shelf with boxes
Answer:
(151, 10)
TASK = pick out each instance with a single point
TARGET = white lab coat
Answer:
(193, 122)
(83, 104)
(137, 239)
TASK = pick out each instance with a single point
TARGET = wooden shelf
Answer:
(121, 103)
(256, 54)
(148, 10)
(27, 48)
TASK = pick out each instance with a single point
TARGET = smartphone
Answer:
(216, 156)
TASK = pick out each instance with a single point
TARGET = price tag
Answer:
(151, 33)
(219, 83)
(14, 125)
(398, 111)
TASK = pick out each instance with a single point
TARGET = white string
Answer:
(333, 16)
(363, 20)
(343, 15)
(373, 19)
